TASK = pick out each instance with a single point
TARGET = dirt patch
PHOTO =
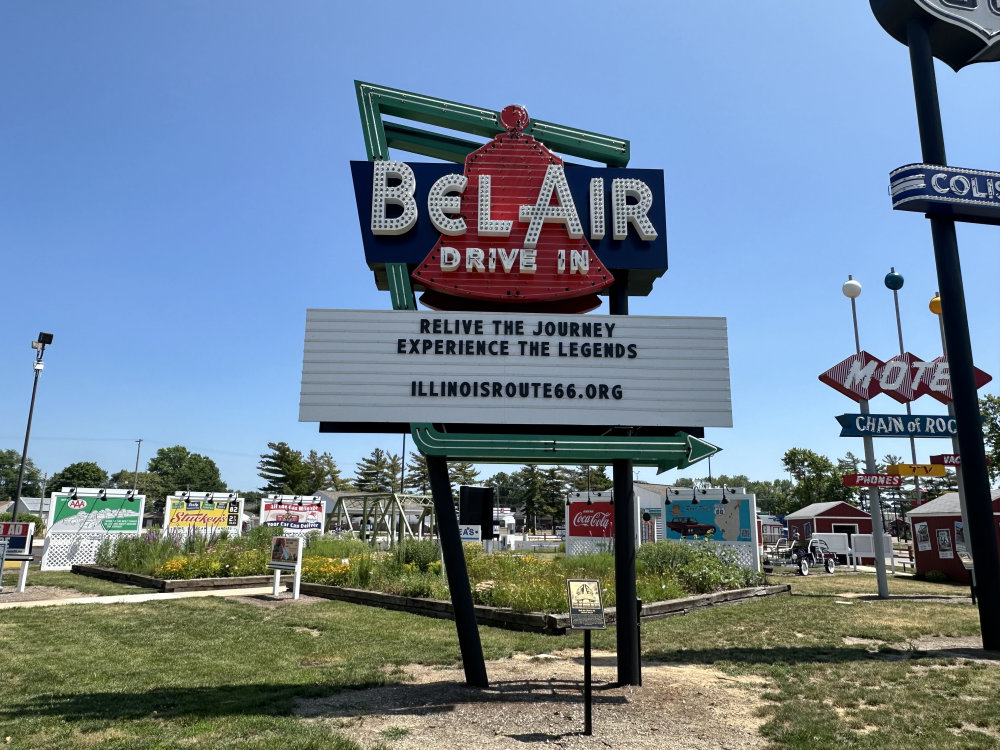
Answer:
(283, 598)
(958, 647)
(37, 594)
(539, 700)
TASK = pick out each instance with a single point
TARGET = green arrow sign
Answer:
(664, 453)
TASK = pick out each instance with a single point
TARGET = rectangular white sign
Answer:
(511, 368)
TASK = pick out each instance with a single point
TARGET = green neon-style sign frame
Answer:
(375, 103)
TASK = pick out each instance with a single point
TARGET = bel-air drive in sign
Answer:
(521, 243)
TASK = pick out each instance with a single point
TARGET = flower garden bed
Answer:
(168, 584)
(495, 617)
(534, 622)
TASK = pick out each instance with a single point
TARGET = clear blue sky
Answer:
(175, 192)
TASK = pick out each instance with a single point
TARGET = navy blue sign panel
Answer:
(949, 192)
(647, 260)
(896, 425)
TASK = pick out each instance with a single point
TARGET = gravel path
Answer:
(539, 701)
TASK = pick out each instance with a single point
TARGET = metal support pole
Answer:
(27, 434)
(135, 477)
(458, 576)
(909, 411)
(981, 532)
(625, 588)
(588, 726)
(874, 501)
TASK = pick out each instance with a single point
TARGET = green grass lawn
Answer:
(67, 580)
(217, 673)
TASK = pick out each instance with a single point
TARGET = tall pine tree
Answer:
(417, 479)
(374, 473)
(283, 471)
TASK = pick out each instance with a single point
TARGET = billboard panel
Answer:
(366, 366)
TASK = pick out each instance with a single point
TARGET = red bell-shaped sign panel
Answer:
(515, 236)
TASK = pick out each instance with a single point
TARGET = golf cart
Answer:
(812, 554)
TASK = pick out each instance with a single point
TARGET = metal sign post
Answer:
(586, 613)
(959, 33)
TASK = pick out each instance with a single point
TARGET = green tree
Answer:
(284, 471)
(417, 480)
(506, 489)
(374, 473)
(396, 469)
(774, 497)
(461, 472)
(323, 473)
(10, 465)
(530, 493)
(149, 484)
(80, 474)
(180, 470)
(989, 407)
(817, 480)
(582, 478)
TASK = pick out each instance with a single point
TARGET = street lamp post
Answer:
(39, 346)
(851, 290)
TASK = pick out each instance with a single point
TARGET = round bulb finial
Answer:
(852, 288)
(893, 281)
(935, 305)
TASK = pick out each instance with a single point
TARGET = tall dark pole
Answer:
(458, 575)
(39, 346)
(627, 618)
(982, 533)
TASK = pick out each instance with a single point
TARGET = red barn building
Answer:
(830, 518)
(938, 544)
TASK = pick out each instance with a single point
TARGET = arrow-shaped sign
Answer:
(896, 425)
(664, 453)
(916, 470)
(872, 480)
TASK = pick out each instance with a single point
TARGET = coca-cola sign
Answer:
(594, 520)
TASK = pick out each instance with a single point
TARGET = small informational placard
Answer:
(586, 612)
(923, 536)
(945, 551)
(470, 532)
(286, 553)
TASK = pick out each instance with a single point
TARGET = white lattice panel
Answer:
(64, 549)
(746, 553)
(584, 545)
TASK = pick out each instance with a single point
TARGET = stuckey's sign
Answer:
(903, 378)
(516, 229)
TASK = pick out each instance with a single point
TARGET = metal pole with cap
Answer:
(851, 290)
(39, 346)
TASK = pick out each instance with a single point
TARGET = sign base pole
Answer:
(954, 318)
(588, 728)
(458, 575)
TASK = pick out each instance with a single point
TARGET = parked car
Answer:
(690, 527)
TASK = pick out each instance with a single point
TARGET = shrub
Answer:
(141, 554)
(936, 576)
(27, 518)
